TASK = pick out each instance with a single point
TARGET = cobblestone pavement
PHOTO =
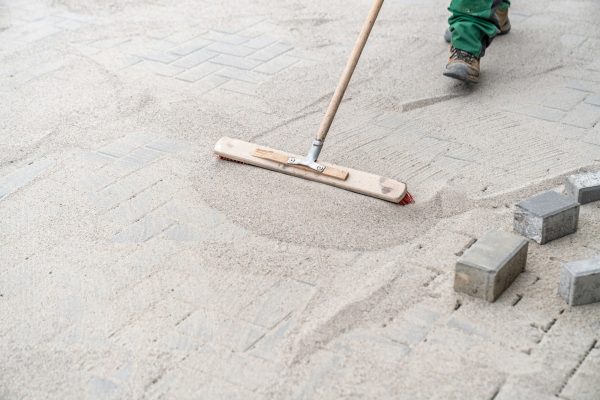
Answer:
(133, 264)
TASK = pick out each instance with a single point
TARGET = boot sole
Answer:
(460, 77)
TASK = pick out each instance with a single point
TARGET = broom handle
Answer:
(347, 74)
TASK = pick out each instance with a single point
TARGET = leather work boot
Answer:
(463, 66)
(503, 21)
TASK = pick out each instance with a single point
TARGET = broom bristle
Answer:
(407, 199)
(230, 159)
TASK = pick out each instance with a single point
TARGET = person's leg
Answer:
(473, 25)
(504, 6)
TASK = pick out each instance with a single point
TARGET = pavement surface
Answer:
(135, 265)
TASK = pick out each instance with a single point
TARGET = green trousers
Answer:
(473, 23)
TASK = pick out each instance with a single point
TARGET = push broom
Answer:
(308, 167)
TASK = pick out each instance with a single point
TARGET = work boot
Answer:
(463, 66)
(503, 21)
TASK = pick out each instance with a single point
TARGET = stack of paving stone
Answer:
(490, 266)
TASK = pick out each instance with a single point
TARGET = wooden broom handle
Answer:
(349, 70)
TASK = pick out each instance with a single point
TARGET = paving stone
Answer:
(370, 348)
(585, 86)
(186, 233)
(242, 75)
(199, 72)
(143, 156)
(412, 327)
(143, 230)
(580, 282)
(160, 56)
(114, 60)
(277, 303)
(236, 62)
(168, 146)
(546, 217)
(538, 111)
(571, 41)
(583, 115)
(260, 42)
(594, 100)
(145, 202)
(226, 37)
(162, 69)
(21, 177)
(490, 266)
(233, 50)
(277, 65)
(241, 87)
(584, 188)
(272, 51)
(585, 385)
(218, 329)
(564, 99)
(208, 83)
(195, 58)
(190, 46)
(124, 145)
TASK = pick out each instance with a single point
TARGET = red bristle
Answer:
(407, 199)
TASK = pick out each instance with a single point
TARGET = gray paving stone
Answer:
(214, 328)
(272, 51)
(241, 87)
(208, 83)
(168, 146)
(585, 385)
(584, 188)
(583, 115)
(594, 100)
(571, 41)
(277, 303)
(226, 37)
(237, 62)
(161, 69)
(21, 177)
(144, 229)
(230, 49)
(114, 60)
(585, 86)
(143, 155)
(490, 266)
(199, 72)
(190, 46)
(186, 233)
(277, 65)
(260, 42)
(580, 282)
(564, 99)
(124, 145)
(546, 217)
(412, 327)
(242, 75)
(195, 58)
(144, 202)
(160, 56)
(538, 111)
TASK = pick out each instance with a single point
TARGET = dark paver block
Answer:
(546, 217)
(580, 282)
(489, 267)
(584, 188)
